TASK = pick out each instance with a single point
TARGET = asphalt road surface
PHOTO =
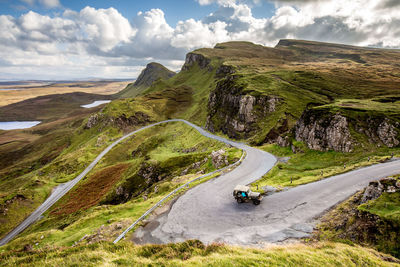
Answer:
(208, 212)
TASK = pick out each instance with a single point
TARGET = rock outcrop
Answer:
(387, 133)
(92, 121)
(380, 131)
(151, 73)
(235, 113)
(193, 58)
(219, 159)
(324, 132)
(376, 188)
(122, 121)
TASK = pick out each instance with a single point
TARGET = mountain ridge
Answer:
(151, 73)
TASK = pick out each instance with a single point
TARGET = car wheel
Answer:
(256, 202)
(239, 200)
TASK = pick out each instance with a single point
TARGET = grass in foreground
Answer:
(195, 253)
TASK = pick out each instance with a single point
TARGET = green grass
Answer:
(171, 147)
(387, 206)
(194, 253)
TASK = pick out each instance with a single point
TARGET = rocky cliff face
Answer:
(193, 58)
(324, 132)
(122, 121)
(234, 112)
(380, 131)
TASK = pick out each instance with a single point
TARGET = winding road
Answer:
(209, 213)
(62, 189)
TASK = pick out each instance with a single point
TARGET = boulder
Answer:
(373, 191)
(92, 121)
(219, 159)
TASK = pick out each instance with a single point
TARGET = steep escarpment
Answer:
(322, 129)
(236, 113)
(263, 94)
(153, 72)
(196, 59)
(324, 132)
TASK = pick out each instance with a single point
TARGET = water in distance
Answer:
(13, 125)
(96, 103)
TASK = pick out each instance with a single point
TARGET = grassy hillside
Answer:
(306, 165)
(148, 165)
(194, 253)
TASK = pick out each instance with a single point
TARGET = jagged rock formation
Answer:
(234, 112)
(349, 222)
(194, 58)
(122, 121)
(376, 188)
(324, 132)
(153, 72)
(219, 159)
(380, 131)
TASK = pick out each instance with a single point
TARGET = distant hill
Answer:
(153, 71)
(49, 107)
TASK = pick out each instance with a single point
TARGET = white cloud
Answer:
(105, 28)
(102, 42)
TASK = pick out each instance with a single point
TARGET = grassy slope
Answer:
(194, 253)
(386, 206)
(194, 84)
(79, 212)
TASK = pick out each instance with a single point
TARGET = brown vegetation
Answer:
(90, 193)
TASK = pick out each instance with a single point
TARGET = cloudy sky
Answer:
(60, 39)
